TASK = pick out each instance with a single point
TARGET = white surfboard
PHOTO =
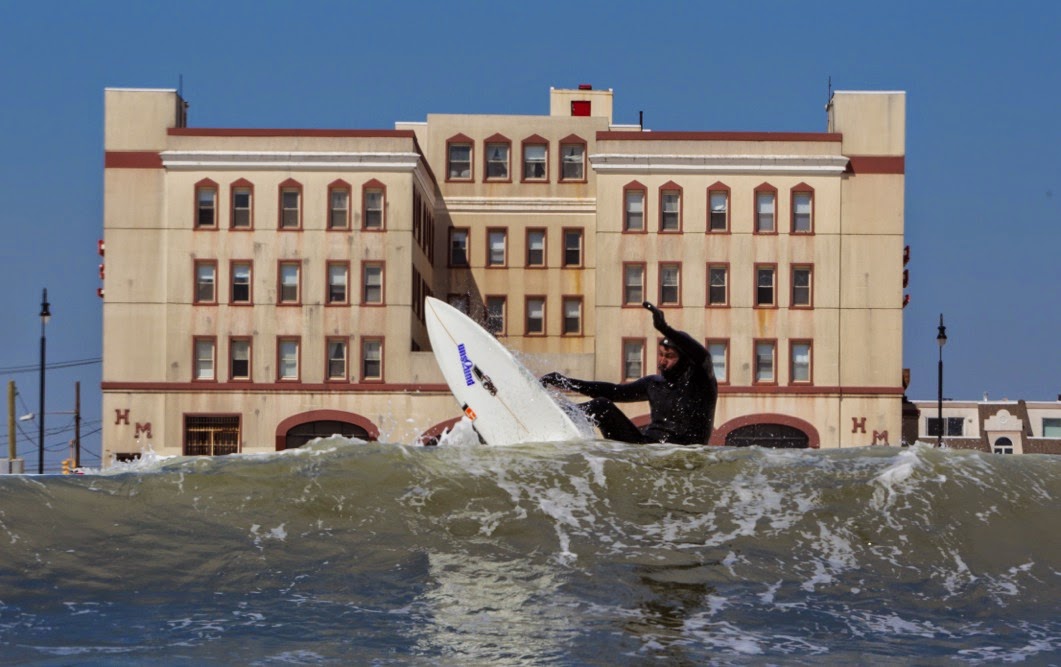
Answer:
(506, 403)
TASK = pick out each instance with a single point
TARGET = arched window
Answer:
(1003, 446)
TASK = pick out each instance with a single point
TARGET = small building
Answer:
(1001, 427)
(266, 286)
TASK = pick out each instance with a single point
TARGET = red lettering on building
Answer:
(858, 424)
(143, 428)
(121, 416)
(880, 438)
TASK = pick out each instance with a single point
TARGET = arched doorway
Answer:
(774, 436)
(767, 430)
(1003, 446)
(297, 430)
(303, 433)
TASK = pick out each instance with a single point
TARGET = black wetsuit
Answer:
(682, 403)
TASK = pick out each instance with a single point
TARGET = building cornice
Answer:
(520, 205)
(827, 165)
(294, 160)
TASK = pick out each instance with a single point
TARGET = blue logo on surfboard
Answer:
(466, 364)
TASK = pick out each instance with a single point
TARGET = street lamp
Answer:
(941, 338)
(46, 314)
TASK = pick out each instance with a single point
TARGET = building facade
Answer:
(264, 287)
(1001, 426)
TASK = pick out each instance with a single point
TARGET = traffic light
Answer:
(68, 464)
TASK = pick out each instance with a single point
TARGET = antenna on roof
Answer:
(180, 85)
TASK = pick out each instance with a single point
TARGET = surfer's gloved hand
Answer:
(658, 320)
(556, 380)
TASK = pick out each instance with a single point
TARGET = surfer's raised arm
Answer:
(693, 351)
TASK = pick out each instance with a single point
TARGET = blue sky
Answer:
(983, 188)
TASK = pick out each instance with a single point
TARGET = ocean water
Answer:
(590, 553)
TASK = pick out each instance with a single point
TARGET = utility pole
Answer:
(12, 450)
(77, 424)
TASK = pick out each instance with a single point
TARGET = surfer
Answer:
(681, 398)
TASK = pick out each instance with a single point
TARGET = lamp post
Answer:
(941, 338)
(45, 316)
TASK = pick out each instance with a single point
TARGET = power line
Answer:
(35, 368)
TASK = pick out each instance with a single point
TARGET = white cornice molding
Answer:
(720, 164)
(297, 160)
(520, 205)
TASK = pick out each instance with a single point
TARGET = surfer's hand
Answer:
(658, 320)
(555, 380)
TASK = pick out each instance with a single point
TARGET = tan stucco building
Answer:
(263, 287)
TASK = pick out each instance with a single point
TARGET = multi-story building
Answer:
(264, 287)
(999, 426)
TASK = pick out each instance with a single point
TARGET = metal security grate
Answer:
(211, 435)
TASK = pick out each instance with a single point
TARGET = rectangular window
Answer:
(573, 162)
(535, 316)
(634, 215)
(670, 206)
(205, 349)
(801, 286)
(764, 361)
(719, 351)
(338, 279)
(290, 208)
(765, 277)
(535, 247)
(495, 241)
(339, 208)
(572, 247)
(206, 206)
(458, 247)
(239, 359)
(765, 203)
(206, 282)
(800, 371)
(337, 358)
(633, 284)
(289, 282)
(633, 359)
(497, 162)
(572, 324)
(717, 285)
(535, 159)
(211, 435)
(241, 282)
(241, 208)
(1051, 427)
(459, 167)
(372, 359)
(719, 211)
(495, 315)
(373, 215)
(801, 212)
(372, 281)
(287, 359)
(669, 284)
(954, 426)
